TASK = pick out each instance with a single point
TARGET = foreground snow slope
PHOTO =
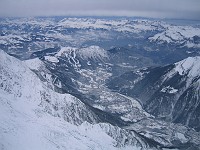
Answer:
(26, 126)
(17, 79)
(35, 117)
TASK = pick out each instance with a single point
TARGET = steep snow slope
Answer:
(189, 67)
(24, 126)
(17, 79)
(44, 74)
(35, 117)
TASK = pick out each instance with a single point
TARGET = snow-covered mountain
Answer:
(170, 92)
(182, 35)
(35, 117)
(88, 75)
(19, 81)
(23, 36)
(82, 76)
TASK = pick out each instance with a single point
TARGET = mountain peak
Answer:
(189, 66)
(93, 52)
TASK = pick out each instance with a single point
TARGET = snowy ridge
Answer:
(15, 82)
(44, 74)
(122, 25)
(83, 23)
(189, 66)
(23, 128)
(35, 64)
(178, 35)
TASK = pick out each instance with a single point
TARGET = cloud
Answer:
(183, 9)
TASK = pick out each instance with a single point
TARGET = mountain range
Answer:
(89, 83)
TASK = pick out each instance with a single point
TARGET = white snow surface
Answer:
(34, 64)
(35, 117)
(37, 65)
(189, 66)
(169, 90)
(26, 126)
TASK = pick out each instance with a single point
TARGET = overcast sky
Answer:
(182, 9)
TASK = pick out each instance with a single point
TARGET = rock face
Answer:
(170, 92)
